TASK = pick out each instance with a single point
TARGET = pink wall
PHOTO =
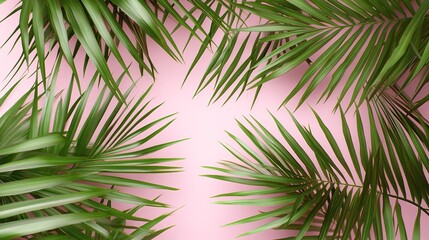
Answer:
(205, 124)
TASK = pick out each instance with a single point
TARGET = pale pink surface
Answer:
(204, 124)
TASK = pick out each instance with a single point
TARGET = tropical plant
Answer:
(100, 27)
(360, 48)
(62, 168)
(56, 161)
(328, 198)
(373, 53)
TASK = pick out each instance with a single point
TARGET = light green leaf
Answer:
(34, 184)
(24, 227)
(16, 208)
(33, 144)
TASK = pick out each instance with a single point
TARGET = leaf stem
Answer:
(425, 210)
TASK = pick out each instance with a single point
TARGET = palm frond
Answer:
(371, 44)
(100, 28)
(61, 169)
(330, 198)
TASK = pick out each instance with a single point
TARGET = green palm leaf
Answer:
(370, 44)
(56, 164)
(100, 28)
(327, 198)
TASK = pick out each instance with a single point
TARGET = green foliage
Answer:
(60, 168)
(99, 28)
(360, 48)
(326, 198)
(372, 53)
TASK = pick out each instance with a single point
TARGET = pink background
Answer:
(205, 124)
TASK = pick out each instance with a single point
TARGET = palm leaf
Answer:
(371, 44)
(320, 199)
(56, 166)
(100, 28)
